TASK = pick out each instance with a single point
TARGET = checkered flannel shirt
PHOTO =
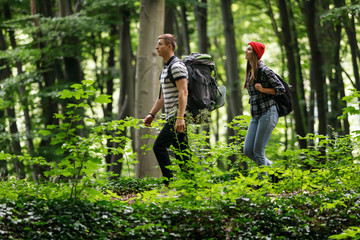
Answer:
(261, 102)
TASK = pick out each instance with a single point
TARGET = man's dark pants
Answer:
(167, 137)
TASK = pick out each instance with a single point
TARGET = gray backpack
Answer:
(203, 92)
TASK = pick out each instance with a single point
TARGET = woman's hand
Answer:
(259, 87)
(270, 91)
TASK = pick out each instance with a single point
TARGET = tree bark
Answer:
(4, 172)
(317, 61)
(170, 18)
(349, 25)
(47, 69)
(23, 94)
(109, 81)
(5, 73)
(184, 33)
(201, 26)
(146, 79)
(234, 98)
(289, 40)
(73, 71)
(127, 84)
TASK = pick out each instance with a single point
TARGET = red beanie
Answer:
(258, 47)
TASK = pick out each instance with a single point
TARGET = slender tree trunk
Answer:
(234, 98)
(335, 87)
(338, 71)
(170, 18)
(109, 81)
(300, 79)
(201, 26)
(203, 46)
(48, 103)
(23, 95)
(127, 85)
(5, 73)
(184, 33)
(317, 62)
(349, 25)
(146, 79)
(73, 72)
(109, 77)
(290, 43)
(312, 100)
(5, 143)
(334, 72)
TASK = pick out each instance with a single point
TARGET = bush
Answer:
(298, 217)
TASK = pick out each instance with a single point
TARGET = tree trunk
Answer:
(5, 73)
(109, 78)
(338, 71)
(23, 94)
(234, 97)
(349, 25)
(170, 18)
(184, 33)
(201, 26)
(48, 103)
(73, 72)
(317, 62)
(109, 81)
(127, 84)
(146, 79)
(289, 41)
(333, 42)
(5, 143)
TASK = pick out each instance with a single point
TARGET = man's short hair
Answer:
(169, 39)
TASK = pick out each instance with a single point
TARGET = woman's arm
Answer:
(270, 91)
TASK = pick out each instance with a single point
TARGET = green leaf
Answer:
(45, 132)
(66, 94)
(87, 82)
(102, 99)
(59, 116)
(77, 86)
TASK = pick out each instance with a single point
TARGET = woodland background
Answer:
(47, 46)
(78, 76)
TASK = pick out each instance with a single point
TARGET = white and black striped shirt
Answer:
(170, 92)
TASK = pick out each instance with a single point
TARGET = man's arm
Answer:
(159, 103)
(181, 85)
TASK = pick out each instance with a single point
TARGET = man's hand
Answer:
(148, 120)
(180, 125)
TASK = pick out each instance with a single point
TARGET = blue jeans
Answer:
(258, 136)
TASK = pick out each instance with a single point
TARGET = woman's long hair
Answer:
(252, 68)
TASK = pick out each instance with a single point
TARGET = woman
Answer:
(262, 86)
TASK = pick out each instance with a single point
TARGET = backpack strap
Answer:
(169, 75)
(258, 77)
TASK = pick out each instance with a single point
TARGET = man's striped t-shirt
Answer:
(170, 92)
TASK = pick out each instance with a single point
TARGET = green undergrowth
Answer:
(177, 215)
(311, 193)
(231, 207)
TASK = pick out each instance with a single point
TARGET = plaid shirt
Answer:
(261, 102)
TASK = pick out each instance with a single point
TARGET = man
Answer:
(174, 98)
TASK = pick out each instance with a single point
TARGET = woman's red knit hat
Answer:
(258, 47)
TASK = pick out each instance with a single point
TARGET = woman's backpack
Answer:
(284, 101)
